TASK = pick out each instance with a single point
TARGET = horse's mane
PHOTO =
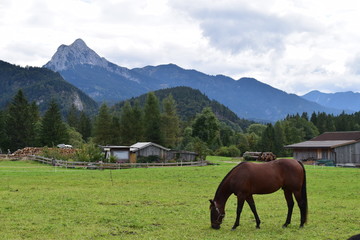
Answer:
(227, 175)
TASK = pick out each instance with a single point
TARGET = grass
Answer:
(43, 202)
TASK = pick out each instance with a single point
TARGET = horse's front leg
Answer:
(251, 202)
(240, 205)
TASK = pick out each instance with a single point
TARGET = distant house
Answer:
(146, 151)
(343, 148)
(120, 153)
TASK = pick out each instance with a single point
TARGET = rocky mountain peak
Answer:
(77, 53)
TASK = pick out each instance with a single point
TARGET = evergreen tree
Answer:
(20, 124)
(138, 122)
(127, 130)
(4, 145)
(153, 120)
(73, 117)
(170, 122)
(116, 134)
(103, 134)
(279, 140)
(267, 139)
(85, 126)
(53, 129)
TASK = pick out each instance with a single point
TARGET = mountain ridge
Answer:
(349, 99)
(247, 97)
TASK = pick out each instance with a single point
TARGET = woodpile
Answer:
(259, 156)
(266, 157)
(40, 151)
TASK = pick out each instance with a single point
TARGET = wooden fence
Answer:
(105, 165)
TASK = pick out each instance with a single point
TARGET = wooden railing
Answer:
(106, 165)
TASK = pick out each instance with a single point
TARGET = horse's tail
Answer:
(304, 209)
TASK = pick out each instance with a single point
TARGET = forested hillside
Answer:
(190, 102)
(41, 85)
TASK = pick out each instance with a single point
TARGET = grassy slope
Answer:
(43, 202)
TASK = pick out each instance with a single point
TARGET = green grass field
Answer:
(43, 202)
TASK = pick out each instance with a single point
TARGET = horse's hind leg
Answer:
(302, 206)
(238, 212)
(290, 204)
(251, 202)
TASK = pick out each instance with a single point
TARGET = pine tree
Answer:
(4, 145)
(153, 120)
(53, 129)
(85, 126)
(267, 139)
(72, 117)
(103, 133)
(279, 140)
(116, 134)
(126, 125)
(170, 122)
(138, 122)
(20, 124)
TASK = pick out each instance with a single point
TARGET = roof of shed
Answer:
(141, 145)
(329, 140)
(320, 144)
(332, 136)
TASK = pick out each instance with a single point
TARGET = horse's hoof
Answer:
(257, 227)
(284, 226)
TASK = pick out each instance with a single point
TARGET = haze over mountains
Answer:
(105, 81)
(348, 101)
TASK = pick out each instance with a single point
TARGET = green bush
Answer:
(89, 153)
(231, 151)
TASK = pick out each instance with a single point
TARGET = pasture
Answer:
(42, 202)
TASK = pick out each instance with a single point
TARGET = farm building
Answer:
(146, 151)
(341, 148)
(121, 153)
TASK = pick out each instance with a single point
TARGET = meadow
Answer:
(44, 202)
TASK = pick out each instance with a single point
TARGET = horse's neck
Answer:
(222, 195)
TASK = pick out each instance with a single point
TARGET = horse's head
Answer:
(216, 215)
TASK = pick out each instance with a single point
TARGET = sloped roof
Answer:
(320, 144)
(141, 145)
(329, 140)
(332, 136)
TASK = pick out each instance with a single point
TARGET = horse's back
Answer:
(263, 178)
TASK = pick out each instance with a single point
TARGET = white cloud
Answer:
(294, 45)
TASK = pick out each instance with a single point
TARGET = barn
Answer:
(143, 150)
(339, 148)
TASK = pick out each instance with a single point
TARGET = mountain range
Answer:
(106, 81)
(347, 101)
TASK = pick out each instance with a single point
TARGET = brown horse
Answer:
(248, 178)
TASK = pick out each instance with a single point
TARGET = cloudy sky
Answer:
(293, 45)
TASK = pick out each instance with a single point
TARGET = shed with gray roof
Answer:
(343, 148)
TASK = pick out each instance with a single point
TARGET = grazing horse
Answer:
(248, 178)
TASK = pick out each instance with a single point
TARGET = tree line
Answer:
(21, 125)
